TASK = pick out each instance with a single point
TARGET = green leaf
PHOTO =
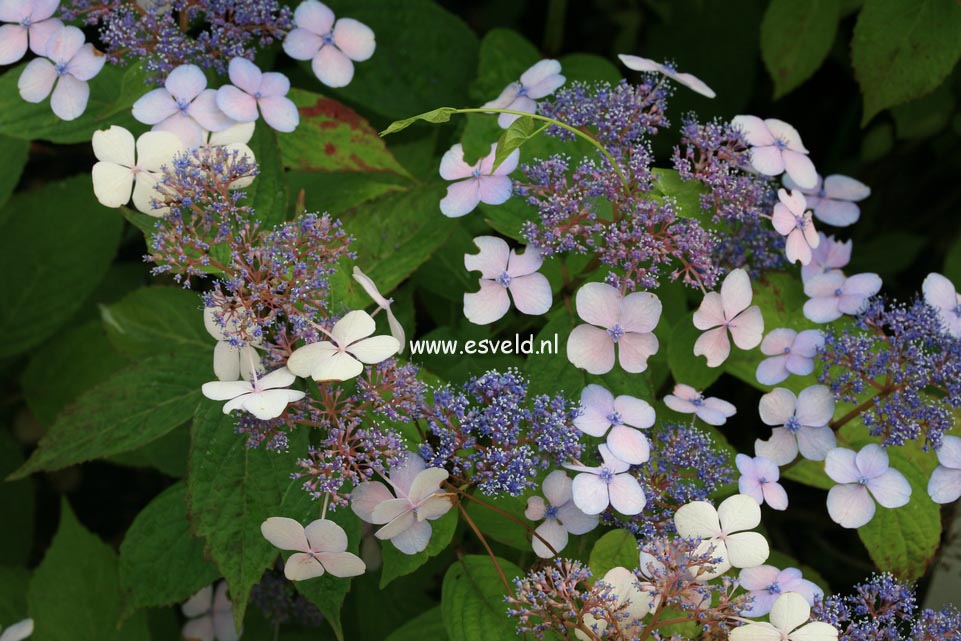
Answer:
(17, 499)
(472, 600)
(436, 116)
(232, 489)
(75, 592)
(334, 137)
(503, 56)
(397, 564)
(155, 320)
(268, 194)
(13, 594)
(520, 131)
(924, 117)
(617, 548)
(52, 257)
(65, 367)
(684, 365)
(15, 153)
(135, 406)
(339, 191)
(888, 253)
(160, 538)
(497, 526)
(424, 55)
(686, 194)
(429, 626)
(905, 540)
(903, 50)
(796, 36)
(112, 93)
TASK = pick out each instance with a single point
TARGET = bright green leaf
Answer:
(156, 320)
(397, 564)
(617, 548)
(439, 115)
(472, 600)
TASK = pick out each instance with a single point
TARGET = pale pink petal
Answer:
(841, 465)
(758, 578)
(274, 85)
(574, 520)
(633, 350)
(800, 168)
(787, 134)
(536, 508)
(332, 67)
(872, 460)
(775, 496)
(695, 84)
(492, 259)
(838, 213)
(781, 448)
(41, 32)
(185, 128)
(944, 486)
(366, 497)
(414, 539)
(284, 533)
(207, 114)
(783, 219)
(245, 75)
(845, 188)
(427, 483)
(599, 304)
(754, 130)
(713, 344)
(634, 411)
(403, 518)
(949, 454)
(531, 294)
(487, 305)
(302, 44)
(402, 476)
(526, 263)
(557, 488)
(13, 43)
(301, 567)
(815, 405)
(315, 16)
(772, 371)
(637, 63)
(236, 104)
(736, 293)
(326, 536)
(453, 166)
(748, 328)
(626, 494)
(355, 39)
(815, 442)
(64, 44)
(591, 349)
(890, 489)
(710, 313)
(552, 532)
(590, 493)
(767, 160)
(629, 444)
(224, 627)
(154, 106)
(822, 309)
(279, 113)
(37, 80)
(797, 249)
(461, 199)
(494, 190)
(597, 404)
(186, 82)
(850, 506)
(640, 312)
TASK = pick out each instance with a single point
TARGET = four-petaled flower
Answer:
(776, 148)
(833, 198)
(833, 294)
(265, 397)
(690, 81)
(728, 311)
(802, 422)
(766, 583)
(210, 615)
(792, 220)
(253, 89)
(860, 476)
(561, 517)
(183, 106)
(540, 81)
(230, 362)
(939, 293)
(944, 486)
(759, 480)
(687, 400)
(626, 322)
(790, 352)
(788, 622)
(67, 65)
(331, 46)
(621, 419)
(343, 357)
(126, 166)
(368, 285)
(320, 547)
(829, 256)
(404, 517)
(29, 23)
(477, 183)
(724, 533)
(503, 270)
(608, 484)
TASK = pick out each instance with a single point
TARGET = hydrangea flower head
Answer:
(343, 357)
(776, 148)
(67, 65)
(690, 81)
(831, 255)
(766, 583)
(29, 23)
(368, 285)
(477, 183)
(253, 89)
(614, 320)
(183, 106)
(939, 293)
(724, 532)
(789, 352)
(802, 422)
(595, 488)
(265, 397)
(404, 517)
(789, 618)
(944, 486)
(687, 400)
(319, 548)
(332, 46)
(561, 517)
(503, 270)
(833, 295)
(621, 419)
(833, 199)
(540, 81)
(792, 220)
(861, 476)
(724, 312)
(210, 615)
(759, 480)
(125, 166)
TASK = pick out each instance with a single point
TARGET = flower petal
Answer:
(633, 350)
(800, 168)
(112, 183)
(285, 534)
(414, 539)
(629, 445)
(531, 294)
(591, 349)
(300, 567)
(748, 328)
(640, 312)
(375, 349)
(461, 199)
(554, 533)
(850, 506)
(738, 512)
(280, 113)
(815, 405)
(697, 519)
(352, 327)
(302, 44)
(781, 448)
(890, 489)
(37, 80)
(599, 304)
(557, 488)
(355, 39)
(488, 304)
(634, 411)
(492, 259)
(332, 67)
(626, 494)
(590, 493)
(367, 496)
(754, 130)
(597, 404)
(944, 486)
(326, 536)
(815, 442)
(236, 104)
(114, 145)
(13, 43)
(747, 549)
(714, 345)
(790, 611)
(342, 564)
(711, 312)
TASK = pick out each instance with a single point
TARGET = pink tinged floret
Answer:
(505, 271)
(331, 45)
(265, 397)
(940, 293)
(766, 583)
(831, 255)
(801, 424)
(210, 615)
(728, 312)
(351, 346)
(31, 25)
(619, 419)
(561, 517)
(759, 480)
(690, 81)
(944, 486)
(539, 81)
(253, 89)
(183, 106)
(833, 199)
(863, 478)
(789, 352)
(610, 484)
(687, 400)
(833, 295)
(776, 149)
(792, 220)
(477, 183)
(319, 548)
(62, 74)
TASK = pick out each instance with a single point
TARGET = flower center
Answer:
(522, 91)
(26, 22)
(774, 588)
(182, 105)
(957, 311)
(606, 475)
(698, 402)
(838, 292)
(551, 512)
(615, 418)
(328, 38)
(476, 172)
(504, 279)
(793, 425)
(863, 481)
(780, 144)
(258, 96)
(61, 68)
(615, 332)
(787, 350)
